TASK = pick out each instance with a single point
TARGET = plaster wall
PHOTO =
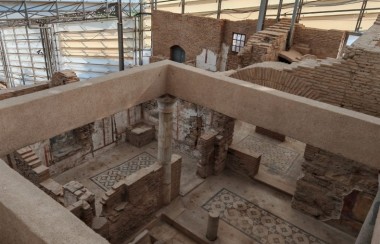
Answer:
(341, 131)
(207, 60)
(28, 215)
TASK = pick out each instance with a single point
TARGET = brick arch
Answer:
(276, 79)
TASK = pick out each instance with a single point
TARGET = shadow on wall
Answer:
(177, 54)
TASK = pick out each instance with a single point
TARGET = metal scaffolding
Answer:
(39, 37)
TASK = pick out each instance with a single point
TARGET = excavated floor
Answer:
(251, 212)
(281, 162)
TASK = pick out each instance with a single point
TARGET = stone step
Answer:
(285, 31)
(24, 151)
(41, 170)
(30, 158)
(27, 155)
(35, 163)
(271, 33)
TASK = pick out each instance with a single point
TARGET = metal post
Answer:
(3, 55)
(279, 10)
(299, 11)
(135, 38)
(289, 41)
(30, 53)
(219, 9)
(141, 32)
(183, 6)
(262, 13)
(18, 56)
(120, 36)
(47, 51)
(361, 15)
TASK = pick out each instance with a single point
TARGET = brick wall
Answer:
(192, 33)
(246, 27)
(350, 82)
(265, 45)
(322, 43)
(212, 146)
(277, 79)
(132, 202)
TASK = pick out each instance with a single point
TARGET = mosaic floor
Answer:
(275, 157)
(255, 222)
(109, 177)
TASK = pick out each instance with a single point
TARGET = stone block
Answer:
(243, 161)
(140, 134)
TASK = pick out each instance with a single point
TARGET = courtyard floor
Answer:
(252, 211)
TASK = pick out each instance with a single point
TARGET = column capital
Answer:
(165, 103)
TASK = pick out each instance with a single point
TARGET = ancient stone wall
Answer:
(71, 148)
(190, 122)
(131, 202)
(322, 43)
(213, 145)
(30, 166)
(74, 196)
(87, 140)
(335, 189)
(80, 201)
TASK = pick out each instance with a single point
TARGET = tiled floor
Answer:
(274, 156)
(110, 177)
(281, 162)
(101, 172)
(251, 213)
(255, 222)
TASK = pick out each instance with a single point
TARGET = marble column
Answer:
(165, 128)
(212, 225)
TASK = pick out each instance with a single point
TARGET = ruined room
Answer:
(189, 121)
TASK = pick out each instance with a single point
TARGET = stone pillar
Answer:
(165, 128)
(212, 225)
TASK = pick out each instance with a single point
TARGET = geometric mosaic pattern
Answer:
(255, 222)
(110, 177)
(275, 157)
